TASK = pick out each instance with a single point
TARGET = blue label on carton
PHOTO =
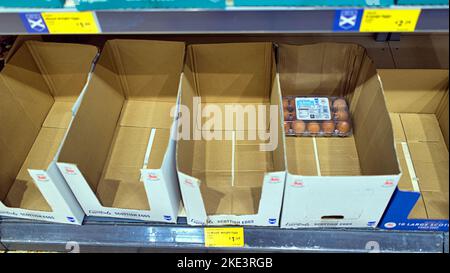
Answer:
(397, 214)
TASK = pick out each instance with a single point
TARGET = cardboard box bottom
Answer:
(24, 193)
(429, 157)
(231, 174)
(121, 185)
(325, 156)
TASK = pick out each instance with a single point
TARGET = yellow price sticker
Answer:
(71, 22)
(224, 237)
(390, 20)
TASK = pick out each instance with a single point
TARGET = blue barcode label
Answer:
(313, 109)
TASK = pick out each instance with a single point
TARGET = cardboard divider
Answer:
(358, 174)
(230, 169)
(122, 128)
(418, 102)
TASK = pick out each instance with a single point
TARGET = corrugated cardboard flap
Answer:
(329, 69)
(232, 72)
(149, 81)
(414, 90)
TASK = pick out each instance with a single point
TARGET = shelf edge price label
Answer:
(390, 20)
(71, 22)
(224, 237)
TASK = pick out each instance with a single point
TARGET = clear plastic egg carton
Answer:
(317, 116)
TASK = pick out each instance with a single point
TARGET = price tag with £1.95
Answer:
(60, 22)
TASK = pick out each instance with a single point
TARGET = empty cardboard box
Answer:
(38, 88)
(338, 181)
(231, 179)
(419, 104)
(118, 157)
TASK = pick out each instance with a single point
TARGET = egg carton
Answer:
(317, 116)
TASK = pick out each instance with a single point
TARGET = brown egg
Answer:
(291, 108)
(340, 104)
(289, 116)
(341, 115)
(313, 127)
(343, 127)
(299, 127)
(287, 127)
(285, 103)
(328, 127)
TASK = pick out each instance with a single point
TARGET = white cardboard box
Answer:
(38, 88)
(230, 181)
(338, 182)
(119, 156)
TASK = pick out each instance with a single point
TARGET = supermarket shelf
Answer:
(105, 235)
(230, 20)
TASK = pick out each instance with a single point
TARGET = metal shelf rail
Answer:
(229, 20)
(112, 235)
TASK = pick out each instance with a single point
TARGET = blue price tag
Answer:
(34, 22)
(347, 20)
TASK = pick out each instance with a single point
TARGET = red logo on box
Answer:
(275, 179)
(298, 184)
(388, 183)
(189, 182)
(42, 178)
(390, 225)
(153, 177)
(70, 171)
